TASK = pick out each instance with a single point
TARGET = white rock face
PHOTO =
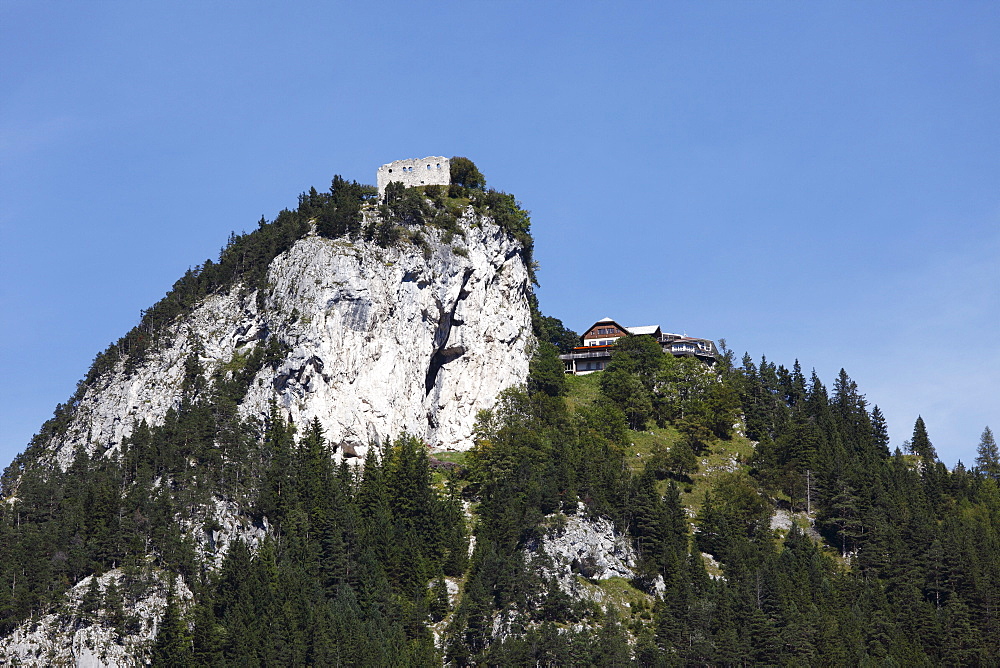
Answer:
(229, 523)
(68, 638)
(382, 341)
(590, 547)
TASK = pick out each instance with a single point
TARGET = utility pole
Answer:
(808, 497)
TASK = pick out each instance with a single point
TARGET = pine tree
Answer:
(841, 517)
(315, 472)
(612, 647)
(206, 635)
(988, 455)
(114, 607)
(172, 648)
(880, 431)
(962, 647)
(648, 520)
(277, 492)
(920, 444)
(438, 603)
(90, 605)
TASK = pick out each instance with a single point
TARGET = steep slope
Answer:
(73, 635)
(376, 341)
(211, 431)
(170, 514)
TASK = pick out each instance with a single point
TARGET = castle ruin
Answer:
(432, 171)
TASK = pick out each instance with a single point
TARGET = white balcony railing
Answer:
(581, 356)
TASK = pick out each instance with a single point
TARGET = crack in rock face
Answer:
(445, 354)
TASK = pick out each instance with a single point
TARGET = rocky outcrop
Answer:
(216, 525)
(577, 545)
(371, 342)
(73, 636)
(380, 341)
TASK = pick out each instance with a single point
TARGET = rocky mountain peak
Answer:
(374, 341)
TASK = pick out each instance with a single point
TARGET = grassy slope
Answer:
(722, 456)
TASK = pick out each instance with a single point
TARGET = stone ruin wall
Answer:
(430, 171)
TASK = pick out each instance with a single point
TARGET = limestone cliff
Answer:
(371, 340)
(378, 341)
(74, 636)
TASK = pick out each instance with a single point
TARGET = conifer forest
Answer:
(772, 524)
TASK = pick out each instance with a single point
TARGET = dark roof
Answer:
(604, 321)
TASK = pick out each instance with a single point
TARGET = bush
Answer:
(545, 373)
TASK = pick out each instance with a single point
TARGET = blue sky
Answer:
(811, 181)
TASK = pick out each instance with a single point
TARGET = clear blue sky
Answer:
(812, 181)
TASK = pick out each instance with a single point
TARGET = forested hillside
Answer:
(897, 560)
(769, 521)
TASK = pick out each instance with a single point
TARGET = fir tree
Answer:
(920, 444)
(438, 603)
(988, 455)
(612, 648)
(172, 647)
(90, 605)
(114, 607)
(880, 432)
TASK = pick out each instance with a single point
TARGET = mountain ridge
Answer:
(193, 504)
(480, 311)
